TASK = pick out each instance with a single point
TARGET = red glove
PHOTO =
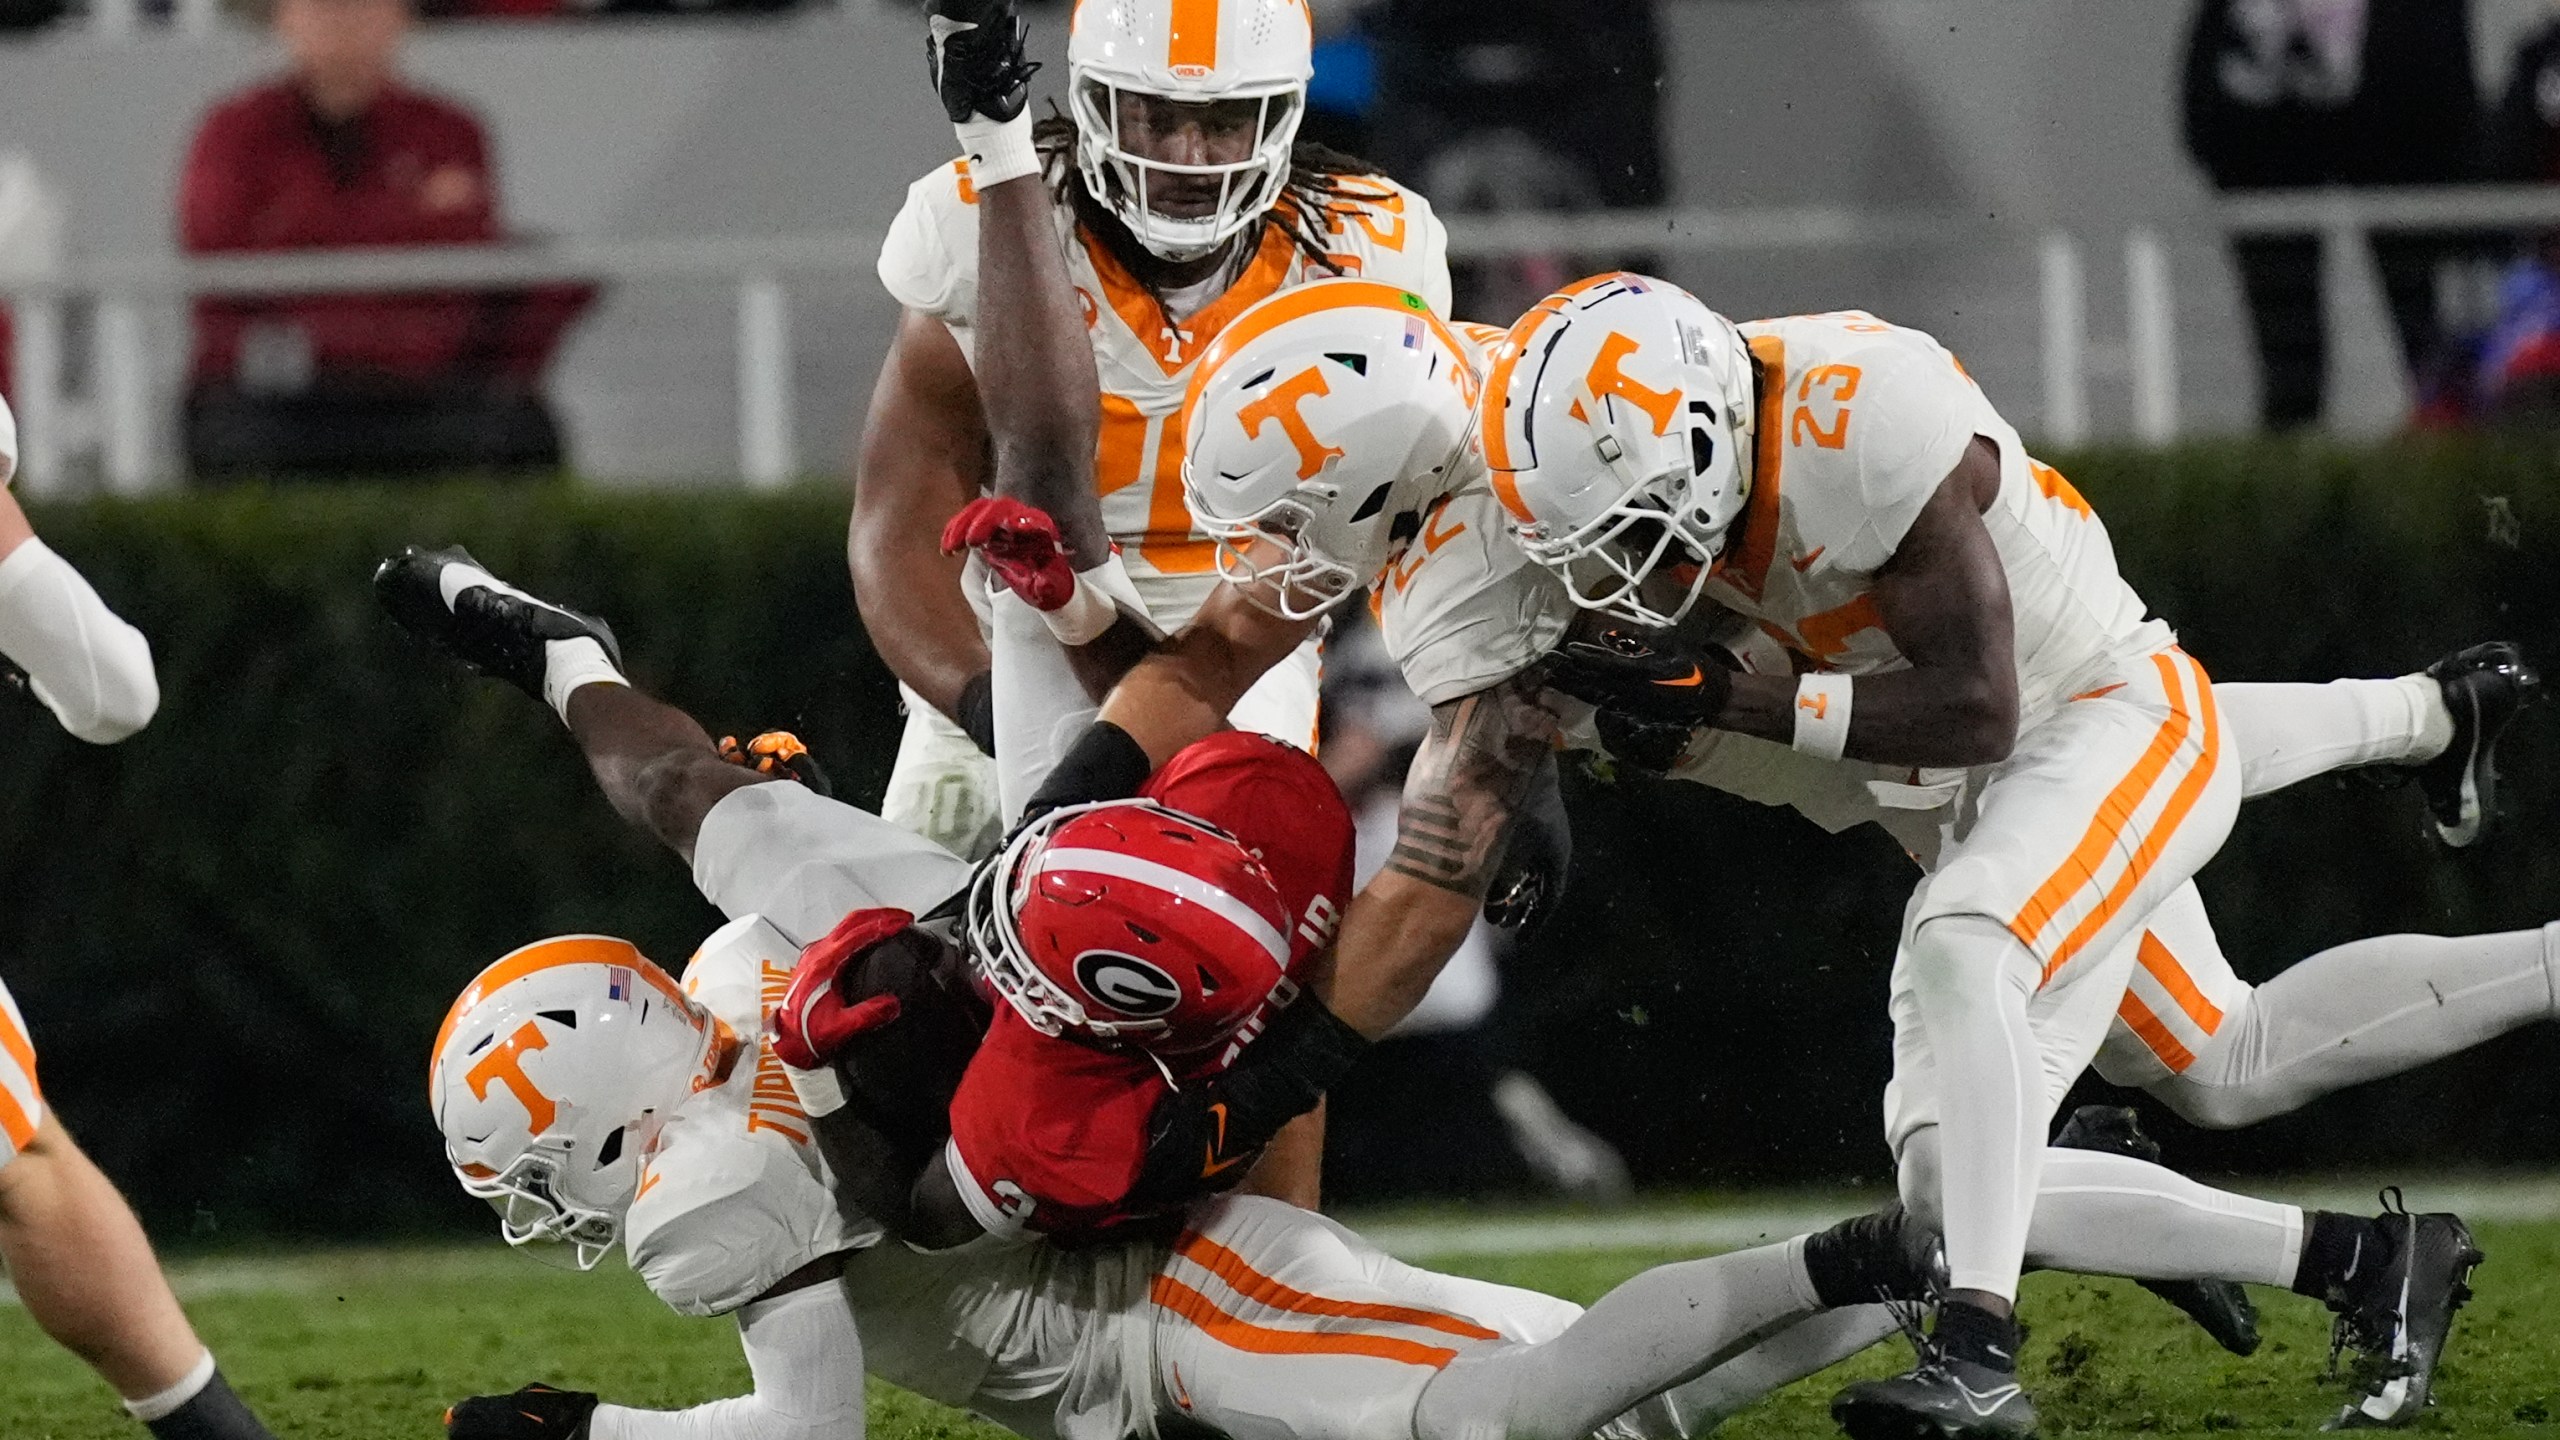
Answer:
(816, 1019)
(1019, 543)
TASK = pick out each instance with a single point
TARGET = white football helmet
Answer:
(1252, 55)
(1316, 419)
(551, 1076)
(1618, 424)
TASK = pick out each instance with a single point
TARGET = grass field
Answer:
(371, 1344)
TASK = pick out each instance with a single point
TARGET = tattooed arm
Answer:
(1473, 772)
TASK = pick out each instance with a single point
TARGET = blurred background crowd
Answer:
(534, 241)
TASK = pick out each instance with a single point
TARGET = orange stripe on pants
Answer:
(2114, 813)
(2172, 815)
(2164, 967)
(1252, 1284)
(1237, 1334)
(2146, 1025)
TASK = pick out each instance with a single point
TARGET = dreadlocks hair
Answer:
(1315, 189)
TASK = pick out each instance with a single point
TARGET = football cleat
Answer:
(2484, 686)
(2222, 1307)
(2395, 1311)
(1941, 1396)
(779, 754)
(975, 49)
(446, 599)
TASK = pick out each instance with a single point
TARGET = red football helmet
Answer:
(1129, 921)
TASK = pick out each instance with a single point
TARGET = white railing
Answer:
(117, 419)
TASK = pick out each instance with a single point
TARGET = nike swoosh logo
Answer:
(1684, 682)
(943, 27)
(648, 1183)
(1983, 1402)
(1805, 561)
(1211, 1164)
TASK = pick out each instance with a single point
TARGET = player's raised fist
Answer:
(975, 49)
(817, 1017)
(1020, 544)
(536, 1412)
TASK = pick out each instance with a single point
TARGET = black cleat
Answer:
(1879, 1256)
(975, 49)
(2484, 687)
(2395, 1310)
(489, 625)
(2221, 1307)
(1939, 1397)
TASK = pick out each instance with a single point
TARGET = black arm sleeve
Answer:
(1106, 764)
(1203, 1137)
(977, 711)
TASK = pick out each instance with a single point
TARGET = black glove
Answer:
(1530, 879)
(536, 1412)
(1627, 672)
(1645, 744)
(1203, 1137)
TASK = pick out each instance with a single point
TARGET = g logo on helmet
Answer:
(1127, 984)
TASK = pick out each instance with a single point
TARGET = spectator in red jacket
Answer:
(338, 153)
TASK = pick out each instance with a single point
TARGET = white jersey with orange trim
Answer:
(21, 1101)
(1144, 356)
(733, 1195)
(1859, 423)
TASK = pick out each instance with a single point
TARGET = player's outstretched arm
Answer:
(1182, 692)
(924, 455)
(1035, 366)
(803, 1351)
(89, 667)
(1943, 598)
(1476, 768)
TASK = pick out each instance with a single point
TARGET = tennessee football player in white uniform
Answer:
(72, 1247)
(1182, 199)
(1476, 625)
(1841, 485)
(592, 1100)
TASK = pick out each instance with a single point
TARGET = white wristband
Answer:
(570, 665)
(820, 1092)
(998, 150)
(1822, 715)
(1094, 606)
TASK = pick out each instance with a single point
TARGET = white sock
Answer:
(2288, 733)
(998, 150)
(2362, 1011)
(166, 1403)
(569, 664)
(2100, 1214)
(1972, 978)
(1656, 1331)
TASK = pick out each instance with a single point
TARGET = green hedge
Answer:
(234, 934)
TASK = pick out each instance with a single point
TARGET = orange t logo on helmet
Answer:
(1605, 378)
(1282, 405)
(505, 1064)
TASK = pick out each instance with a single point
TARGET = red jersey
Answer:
(267, 174)
(1047, 1132)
